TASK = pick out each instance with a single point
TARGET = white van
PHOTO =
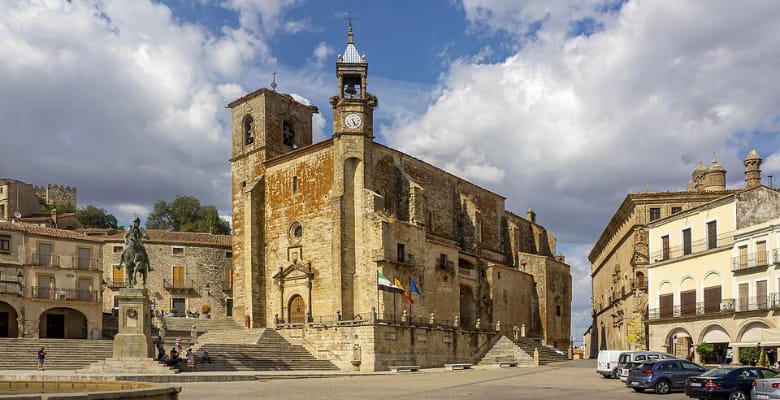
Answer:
(608, 365)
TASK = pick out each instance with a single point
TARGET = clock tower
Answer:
(353, 107)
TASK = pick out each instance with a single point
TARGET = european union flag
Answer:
(414, 288)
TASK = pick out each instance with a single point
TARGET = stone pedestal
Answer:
(134, 340)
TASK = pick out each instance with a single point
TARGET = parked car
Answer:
(733, 383)
(766, 389)
(631, 359)
(608, 365)
(662, 375)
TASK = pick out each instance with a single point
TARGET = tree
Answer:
(186, 214)
(93, 216)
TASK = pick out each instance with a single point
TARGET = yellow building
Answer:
(711, 278)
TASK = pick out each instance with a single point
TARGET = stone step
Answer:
(20, 354)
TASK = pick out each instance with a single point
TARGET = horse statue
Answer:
(134, 257)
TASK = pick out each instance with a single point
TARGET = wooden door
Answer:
(666, 303)
(85, 289)
(688, 302)
(743, 297)
(761, 255)
(297, 310)
(178, 277)
(712, 297)
(118, 276)
(761, 295)
(45, 284)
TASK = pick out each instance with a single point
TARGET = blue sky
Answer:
(563, 107)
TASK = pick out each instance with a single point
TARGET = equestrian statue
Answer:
(134, 256)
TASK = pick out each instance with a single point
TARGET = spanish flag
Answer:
(406, 295)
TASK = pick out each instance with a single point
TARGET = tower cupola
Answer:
(714, 177)
(353, 106)
(752, 169)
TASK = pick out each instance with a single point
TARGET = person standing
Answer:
(178, 344)
(191, 359)
(41, 358)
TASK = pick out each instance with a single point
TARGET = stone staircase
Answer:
(255, 350)
(61, 354)
(521, 351)
(177, 326)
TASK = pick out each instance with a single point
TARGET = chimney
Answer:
(531, 215)
(769, 180)
(752, 169)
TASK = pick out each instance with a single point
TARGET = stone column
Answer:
(734, 354)
(134, 340)
(309, 316)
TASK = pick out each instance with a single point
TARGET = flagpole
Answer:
(394, 296)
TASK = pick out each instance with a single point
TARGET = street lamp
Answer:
(20, 277)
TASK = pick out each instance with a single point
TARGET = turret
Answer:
(752, 169)
(714, 177)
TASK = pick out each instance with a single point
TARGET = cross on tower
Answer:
(273, 84)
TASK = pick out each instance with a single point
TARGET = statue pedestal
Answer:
(134, 340)
(133, 349)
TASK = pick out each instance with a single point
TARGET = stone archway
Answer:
(679, 342)
(468, 307)
(62, 323)
(9, 324)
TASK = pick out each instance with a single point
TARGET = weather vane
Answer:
(273, 84)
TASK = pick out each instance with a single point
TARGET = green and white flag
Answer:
(385, 284)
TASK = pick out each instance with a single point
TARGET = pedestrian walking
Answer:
(205, 358)
(190, 359)
(41, 358)
(178, 344)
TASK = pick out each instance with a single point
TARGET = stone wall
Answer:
(377, 347)
(57, 194)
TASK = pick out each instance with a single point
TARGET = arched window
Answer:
(249, 130)
(288, 134)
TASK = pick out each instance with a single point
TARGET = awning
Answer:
(716, 335)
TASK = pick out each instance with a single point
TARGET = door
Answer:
(178, 277)
(229, 307)
(177, 305)
(712, 296)
(4, 324)
(118, 276)
(44, 254)
(45, 287)
(743, 297)
(666, 303)
(297, 310)
(688, 302)
(85, 289)
(761, 295)
(85, 257)
(55, 326)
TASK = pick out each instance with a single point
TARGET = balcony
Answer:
(179, 286)
(697, 246)
(750, 261)
(44, 260)
(387, 255)
(89, 296)
(85, 263)
(758, 303)
(725, 306)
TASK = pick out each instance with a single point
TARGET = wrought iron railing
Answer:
(116, 283)
(379, 255)
(181, 284)
(697, 246)
(87, 263)
(50, 260)
(91, 296)
(725, 306)
(752, 260)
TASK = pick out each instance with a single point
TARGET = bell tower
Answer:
(353, 107)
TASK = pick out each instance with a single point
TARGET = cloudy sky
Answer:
(563, 107)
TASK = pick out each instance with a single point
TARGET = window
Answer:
(676, 210)
(761, 295)
(712, 235)
(688, 302)
(249, 130)
(558, 310)
(44, 254)
(295, 185)
(229, 278)
(686, 241)
(742, 304)
(499, 275)
(665, 247)
(117, 249)
(5, 244)
(178, 276)
(666, 303)
(761, 255)
(229, 254)
(85, 256)
(712, 298)
(442, 261)
(288, 134)
(655, 213)
(401, 253)
(177, 251)
(2, 211)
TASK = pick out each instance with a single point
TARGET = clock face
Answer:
(352, 121)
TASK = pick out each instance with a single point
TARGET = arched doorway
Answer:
(468, 308)
(717, 336)
(63, 323)
(9, 326)
(679, 343)
(296, 311)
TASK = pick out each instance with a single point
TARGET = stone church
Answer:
(314, 224)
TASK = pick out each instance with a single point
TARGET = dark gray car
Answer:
(662, 375)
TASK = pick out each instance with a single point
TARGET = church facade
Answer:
(316, 224)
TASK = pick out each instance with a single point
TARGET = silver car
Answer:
(765, 389)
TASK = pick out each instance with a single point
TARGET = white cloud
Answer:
(568, 125)
(260, 15)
